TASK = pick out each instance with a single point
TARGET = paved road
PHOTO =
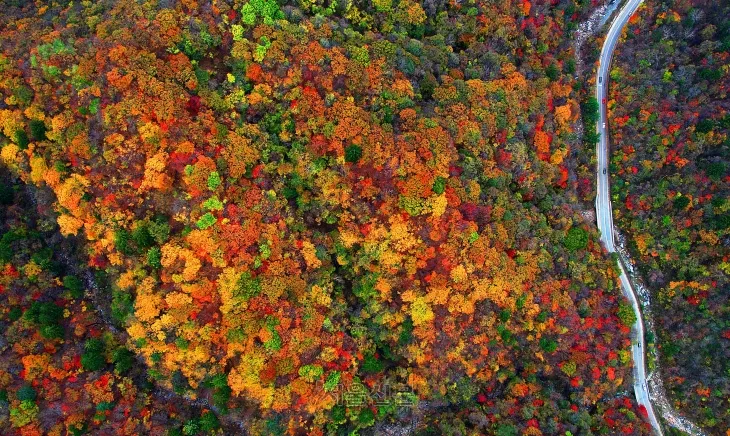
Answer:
(604, 215)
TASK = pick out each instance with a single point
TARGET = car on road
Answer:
(604, 125)
(600, 79)
(604, 100)
(604, 171)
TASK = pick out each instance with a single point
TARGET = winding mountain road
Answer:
(604, 215)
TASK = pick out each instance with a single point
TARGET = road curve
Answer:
(604, 216)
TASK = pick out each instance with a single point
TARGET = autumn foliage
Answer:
(298, 200)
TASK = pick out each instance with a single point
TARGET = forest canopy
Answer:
(288, 202)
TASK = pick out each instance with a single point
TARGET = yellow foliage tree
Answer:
(147, 306)
(421, 312)
(563, 115)
(69, 225)
(71, 191)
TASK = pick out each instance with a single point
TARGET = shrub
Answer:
(191, 428)
(710, 74)
(154, 257)
(121, 242)
(569, 368)
(26, 393)
(681, 202)
(209, 422)
(439, 185)
(548, 345)
(339, 414)
(247, 286)
(365, 287)
(123, 360)
(715, 170)
(722, 222)
(38, 130)
(141, 236)
(213, 204)
(93, 357)
(122, 305)
(221, 391)
(576, 239)
(15, 313)
(24, 414)
(274, 343)
(333, 379)
(704, 126)
(74, 285)
(159, 229)
(311, 373)
(46, 313)
(552, 72)
(268, 10)
(21, 138)
(382, 5)
(6, 194)
(371, 364)
(366, 417)
(353, 153)
(23, 94)
(214, 180)
(589, 109)
(52, 331)
(406, 335)
(43, 258)
(626, 314)
(506, 430)
(206, 221)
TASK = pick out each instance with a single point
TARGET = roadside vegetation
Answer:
(670, 130)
